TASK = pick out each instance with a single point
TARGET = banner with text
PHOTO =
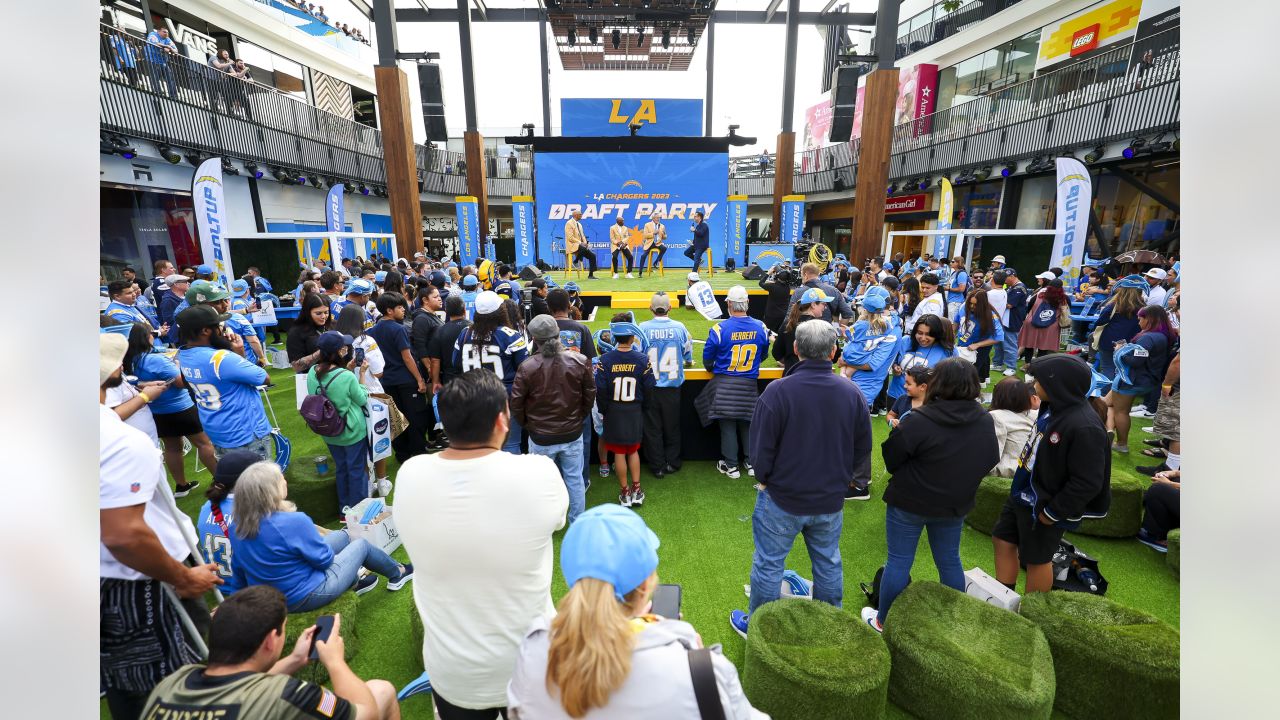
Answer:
(766, 255)
(1075, 191)
(659, 117)
(946, 203)
(604, 186)
(211, 208)
(522, 218)
(468, 229)
(334, 211)
(792, 219)
(737, 225)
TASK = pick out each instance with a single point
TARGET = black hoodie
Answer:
(937, 456)
(1071, 478)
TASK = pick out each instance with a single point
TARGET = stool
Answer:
(808, 659)
(711, 263)
(569, 266)
(662, 264)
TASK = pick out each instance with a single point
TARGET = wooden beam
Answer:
(398, 154)
(784, 166)
(873, 164)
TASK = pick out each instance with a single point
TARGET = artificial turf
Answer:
(674, 280)
(704, 522)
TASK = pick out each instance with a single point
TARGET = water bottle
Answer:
(1086, 575)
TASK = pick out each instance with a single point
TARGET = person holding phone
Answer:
(603, 652)
(334, 377)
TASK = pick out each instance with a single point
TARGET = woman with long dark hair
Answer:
(909, 296)
(334, 378)
(1140, 371)
(1041, 333)
(300, 344)
(979, 329)
(931, 341)
(810, 307)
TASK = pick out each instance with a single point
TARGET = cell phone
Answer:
(359, 356)
(666, 601)
(324, 626)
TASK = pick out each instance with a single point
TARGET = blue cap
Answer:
(359, 286)
(204, 270)
(332, 341)
(551, 283)
(572, 286)
(878, 290)
(813, 295)
(439, 279)
(380, 276)
(874, 303)
(609, 543)
(470, 281)
(504, 288)
(239, 287)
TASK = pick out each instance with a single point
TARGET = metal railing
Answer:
(944, 26)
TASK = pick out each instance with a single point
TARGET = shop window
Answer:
(138, 228)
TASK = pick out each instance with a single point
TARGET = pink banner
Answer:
(817, 126)
(917, 87)
(857, 108)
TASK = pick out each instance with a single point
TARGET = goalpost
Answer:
(960, 236)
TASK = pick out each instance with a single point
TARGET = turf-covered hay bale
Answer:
(1110, 660)
(1174, 556)
(808, 660)
(992, 493)
(1125, 515)
(348, 606)
(317, 496)
(957, 657)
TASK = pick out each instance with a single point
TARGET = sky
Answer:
(748, 73)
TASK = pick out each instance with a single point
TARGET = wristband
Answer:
(145, 397)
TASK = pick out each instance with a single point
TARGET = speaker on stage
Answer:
(530, 272)
(844, 95)
(753, 272)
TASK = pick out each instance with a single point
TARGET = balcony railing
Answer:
(944, 26)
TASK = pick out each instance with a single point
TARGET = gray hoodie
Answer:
(659, 685)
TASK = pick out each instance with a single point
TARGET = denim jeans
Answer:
(735, 441)
(1105, 362)
(902, 532)
(774, 530)
(348, 557)
(586, 452)
(568, 458)
(1009, 358)
(263, 447)
(351, 467)
(512, 443)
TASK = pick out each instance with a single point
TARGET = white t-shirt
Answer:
(999, 300)
(143, 419)
(932, 305)
(129, 469)
(377, 363)
(479, 535)
(1156, 296)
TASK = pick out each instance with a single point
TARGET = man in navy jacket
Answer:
(701, 241)
(811, 431)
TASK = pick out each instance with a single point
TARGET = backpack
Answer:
(1075, 571)
(1045, 317)
(320, 414)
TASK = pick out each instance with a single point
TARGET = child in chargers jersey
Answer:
(670, 350)
(623, 382)
(868, 355)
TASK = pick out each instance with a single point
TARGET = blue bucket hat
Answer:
(609, 543)
(572, 286)
(359, 286)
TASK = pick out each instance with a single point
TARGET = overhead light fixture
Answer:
(982, 173)
(1135, 148)
(194, 157)
(666, 37)
(1008, 169)
(348, 188)
(573, 37)
(593, 35)
(332, 182)
(364, 189)
(168, 154)
(315, 181)
(1140, 147)
(112, 144)
(646, 4)
(228, 168)
(925, 183)
(251, 167)
(1095, 155)
(380, 191)
(617, 38)
(893, 188)
(281, 175)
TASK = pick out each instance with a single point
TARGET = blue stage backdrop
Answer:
(597, 117)
(633, 185)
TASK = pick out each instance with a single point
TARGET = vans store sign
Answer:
(196, 41)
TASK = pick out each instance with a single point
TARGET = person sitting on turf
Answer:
(936, 457)
(603, 654)
(275, 544)
(1013, 406)
(1161, 505)
(214, 526)
(246, 677)
(1063, 477)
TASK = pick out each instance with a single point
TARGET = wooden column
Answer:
(784, 166)
(477, 182)
(873, 164)
(401, 161)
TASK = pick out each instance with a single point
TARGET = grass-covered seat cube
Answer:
(807, 659)
(315, 495)
(1125, 515)
(955, 656)
(1110, 660)
(992, 492)
(1174, 556)
(348, 606)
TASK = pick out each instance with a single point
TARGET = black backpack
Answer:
(873, 592)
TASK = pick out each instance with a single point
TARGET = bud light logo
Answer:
(380, 427)
(381, 445)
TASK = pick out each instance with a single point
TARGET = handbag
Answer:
(398, 420)
(1064, 319)
(704, 685)
(967, 354)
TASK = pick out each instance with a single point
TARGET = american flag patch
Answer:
(328, 702)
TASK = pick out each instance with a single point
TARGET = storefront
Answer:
(908, 212)
(140, 227)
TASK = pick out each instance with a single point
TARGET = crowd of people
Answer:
(318, 12)
(498, 389)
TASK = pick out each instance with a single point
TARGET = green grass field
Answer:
(704, 521)
(673, 281)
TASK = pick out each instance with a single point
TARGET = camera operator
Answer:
(538, 303)
(778, 283)
(838, 309)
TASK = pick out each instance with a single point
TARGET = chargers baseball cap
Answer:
(360, 286)
(470, 281)
(609, 543)
(380, 276)
(240, 287)
(231, 465)
(572, 286)
(813, 295)
(874, 303)
(203, 291)
(693, 277)
(204, 270)
(332, 341)
(488, 301)
(737, 293)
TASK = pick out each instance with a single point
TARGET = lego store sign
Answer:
(1085, 40)
(1098, 26)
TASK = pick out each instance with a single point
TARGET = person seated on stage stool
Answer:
(655, 238)
(575, 243)
(701, 241)
(619, 239)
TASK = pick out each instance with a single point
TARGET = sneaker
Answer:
(750, 470)
(615, 276)
(384, 487)
(738, 619)
(870, 617)
(728, 469)
(405, 576)
(637, 495)
(1156, 442)
(1010, 372)
(1145, 538)
(660, 472)
(1151, 470)
(1122, 449)
(670, 470)
(1028, 377)
(1143, 413)
(624, 498)
(185, 490)
(630, 276)
(366, 583)
(855, 493)
(604, 470)
(882, 412)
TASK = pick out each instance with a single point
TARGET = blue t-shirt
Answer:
(504, 353)
(241, 326)
(127, 314)
(907, 358)
(670, 347)
(160, 366)
(287, 553)
(969, 332)
(226, 389)
(215, 540)
(736, 347)
(469, 298)
(957, 279)
(878, 351)
(393, 339)
(155, 54)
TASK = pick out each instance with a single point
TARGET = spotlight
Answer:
(982, 173)
(194, 157)
(331, 182)
(364, 189)
(1094, 155)
(167, 153)
(116, 145)
(348, 188)
(646, 4)
(893, 188)
(380, 191)
(1134, 148)
(617, 38)
(281, 175)
(315, 181)
(573, 37)
(1008, 169)
(666, 37)
(228, 168)
(593, 35)
(691, 35)
(1140, 147)
(251, 167)
(925, 183)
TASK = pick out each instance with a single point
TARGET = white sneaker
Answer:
(630, 276)
(384, 487)
(869, 615)
(1010, 372)
(1137, 410)
(723, 467)
(750, 470)
(615, 276)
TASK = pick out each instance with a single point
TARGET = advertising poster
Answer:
(1071, 227)
(737, 220)
(946, 203)
(792, 219)
(211, 208)
(817, 127)
(857, 108)
(917, 88)
(1094, 27)
(659, 117)
(468, 229)
(522, 219)
(606, 186)
(333, 216)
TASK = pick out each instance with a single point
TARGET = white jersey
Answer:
(704, 300)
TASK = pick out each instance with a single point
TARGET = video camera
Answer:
(786, 274)
(526, 303)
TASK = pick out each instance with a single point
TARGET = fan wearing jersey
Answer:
(358, 292)
(867, 357)
(470, 285)
(491, 344)
(931, 301)
(623, 381)
(670, 351)
(734, 350)
(930, 342)
(979, 329)
(203, 292)
(225, 384)
(214, 527)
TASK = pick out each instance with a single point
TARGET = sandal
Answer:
(1155, 452)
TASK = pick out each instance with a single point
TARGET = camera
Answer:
(786, 274)
(526, 303)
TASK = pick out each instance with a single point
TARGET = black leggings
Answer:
(449, 711)
(626, 253)
(983, 363)
(1028, 354)
(1163, 510)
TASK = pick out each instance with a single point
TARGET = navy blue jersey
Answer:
(623, 380)
(503, 353)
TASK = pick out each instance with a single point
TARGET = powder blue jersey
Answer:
(160, 366)
(128, 314)
(241, 326)
(214, 538)
(469, 299)
(226, 389)
(968, 332)
(670, 348)
(336, 306)
(908, 358)
(736, 347)
(504, 353)
(878, 351)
